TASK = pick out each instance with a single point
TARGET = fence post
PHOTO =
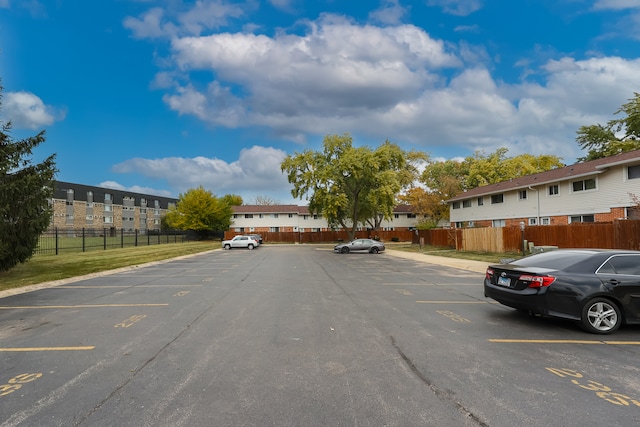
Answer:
(136, 239)
(121, 238)
(104, 238)
(56, 229)
(83, 240)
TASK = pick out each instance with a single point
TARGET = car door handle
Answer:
(614, 282)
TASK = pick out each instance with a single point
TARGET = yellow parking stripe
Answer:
(456, 302)
(23, 349)
(497, 340)
(80, 306)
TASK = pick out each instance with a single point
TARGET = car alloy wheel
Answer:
(601, 316)
(227, 247)
(374, 250)
(250, 246)
(345, 250)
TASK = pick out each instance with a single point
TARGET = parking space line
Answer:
(79, 306)
(518, 341)
(430, 284)
(119, 286)
(25, 349)
(456, 302)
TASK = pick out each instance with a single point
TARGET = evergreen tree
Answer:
(25, 192)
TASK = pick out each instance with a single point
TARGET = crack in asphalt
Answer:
(438, 392)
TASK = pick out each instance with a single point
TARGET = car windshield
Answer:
(556, 260)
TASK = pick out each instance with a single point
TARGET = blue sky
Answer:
(158, 97)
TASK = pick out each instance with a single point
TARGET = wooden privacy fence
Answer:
(326, 236)
(620, 234)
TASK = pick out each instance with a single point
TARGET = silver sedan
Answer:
(360, 245)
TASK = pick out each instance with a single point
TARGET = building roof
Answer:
(555, 175)
(300, 210)
(60, 189)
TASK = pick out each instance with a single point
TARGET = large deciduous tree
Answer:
(26, 189)
(201, 211)
(443, 180)
(617, 136)
(351, 185)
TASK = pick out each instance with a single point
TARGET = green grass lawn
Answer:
(45, 268)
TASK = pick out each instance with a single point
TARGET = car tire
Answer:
(344, 250)
(250, 246)
(601, 316)
(374, 250)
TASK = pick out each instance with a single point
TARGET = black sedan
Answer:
(360, 245)
(597, 287)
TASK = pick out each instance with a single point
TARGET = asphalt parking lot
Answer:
(298, 335)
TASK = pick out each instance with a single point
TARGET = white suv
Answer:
(240, 242)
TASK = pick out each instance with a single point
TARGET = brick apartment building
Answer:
(84, 206)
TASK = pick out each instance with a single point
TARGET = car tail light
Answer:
(537, 281)
(489, 273)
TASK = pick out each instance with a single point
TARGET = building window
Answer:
(533, 221)
(456, 205)
(466, 203)
(396, 216)
(108, 208)
(274, 229)
(305, 217)
(581, 218)
(522, 195)
(633, 172)
(235, 216)
(411, 215)
(290, 215)
(584, 185)
(275, 215)
(553, 190)
(459, 224)
(545, 221)
(108, 220)
(497, 198)
(248, 215)
(480, 201)
(239, 229)
(498, 222)
(107, 197)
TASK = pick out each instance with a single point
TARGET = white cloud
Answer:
(26, 110)
(392, 81)
(390, 12)
(204, 15)
(457, 7)
(296, 84)
(257, 171)
(616, 4)
(135, 189)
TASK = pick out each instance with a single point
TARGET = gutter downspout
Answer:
(537, 204)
